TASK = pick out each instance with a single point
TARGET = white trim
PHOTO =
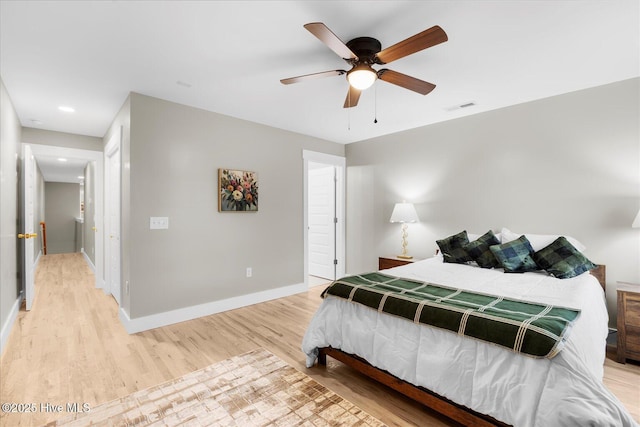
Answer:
(145, 323)
(330, 159)
(88, 260)
(113, 148)
(341, 191)
(8, 326)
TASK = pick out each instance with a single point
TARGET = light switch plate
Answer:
(158, 223)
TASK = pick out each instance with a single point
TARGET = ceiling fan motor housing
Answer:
(365, 48)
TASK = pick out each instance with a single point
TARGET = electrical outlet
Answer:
(158, 223)
(249, 272)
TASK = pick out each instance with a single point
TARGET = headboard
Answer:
(600, 273)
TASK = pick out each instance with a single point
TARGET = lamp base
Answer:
(405, 256)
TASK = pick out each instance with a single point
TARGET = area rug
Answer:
(253, 389)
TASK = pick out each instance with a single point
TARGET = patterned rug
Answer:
(254, 389)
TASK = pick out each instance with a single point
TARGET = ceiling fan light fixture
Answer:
(361, 76)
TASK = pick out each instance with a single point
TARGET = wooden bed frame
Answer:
(456, 412)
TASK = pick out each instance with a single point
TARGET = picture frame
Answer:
(237, 190)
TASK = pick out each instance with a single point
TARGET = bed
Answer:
(493, 385)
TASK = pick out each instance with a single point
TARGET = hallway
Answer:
(59, 349)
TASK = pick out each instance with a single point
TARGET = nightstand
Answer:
(628, 322)
(385, 262)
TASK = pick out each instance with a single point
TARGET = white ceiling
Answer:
(228, 57)
(55, 170)
(62, 164)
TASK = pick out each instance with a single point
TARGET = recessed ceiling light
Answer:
(36, 121)
(183, 84)
(66, 109)
(62, 159)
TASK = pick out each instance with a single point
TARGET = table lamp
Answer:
(404, 213)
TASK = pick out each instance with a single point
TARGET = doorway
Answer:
(47, 153)
(324, 216)
(321, 213)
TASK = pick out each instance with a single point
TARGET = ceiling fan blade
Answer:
(405, 81)
(326, 36)
(306, 77)
(430, 37)
(352, 97)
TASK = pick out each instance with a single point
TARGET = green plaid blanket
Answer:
(533, 329)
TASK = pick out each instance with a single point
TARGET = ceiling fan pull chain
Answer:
(375, 103)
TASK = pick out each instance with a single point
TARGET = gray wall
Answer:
(10, 134)
(568, 164)
(61, 139)
(62, 207)
(171, 164)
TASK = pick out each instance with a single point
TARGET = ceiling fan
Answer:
(362, 52)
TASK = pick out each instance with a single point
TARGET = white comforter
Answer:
(519, 390)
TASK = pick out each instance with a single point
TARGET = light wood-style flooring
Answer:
(71, 347)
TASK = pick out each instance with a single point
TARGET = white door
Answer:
(112, 210)
(28, 234)
(321, 221)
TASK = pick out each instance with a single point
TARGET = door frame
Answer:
(114, 145)
(27, 218)
(340, 164)
(97, 157)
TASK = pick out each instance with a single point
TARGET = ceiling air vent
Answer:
(461, 106)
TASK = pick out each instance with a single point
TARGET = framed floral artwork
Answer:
(238, 191)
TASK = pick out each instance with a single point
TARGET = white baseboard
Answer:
(145, 323)
(86, 258)
(99, 281)
(8, 326)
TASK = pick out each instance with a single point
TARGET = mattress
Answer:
(566, 390)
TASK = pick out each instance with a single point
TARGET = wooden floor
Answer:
(71, 347)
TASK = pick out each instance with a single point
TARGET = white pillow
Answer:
(539, 241)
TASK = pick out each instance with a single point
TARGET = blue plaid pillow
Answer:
(515, 256)
(479, 250)
(452, 248)
(562, 260)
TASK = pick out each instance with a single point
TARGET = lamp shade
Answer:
(404, 212)
(636, 222)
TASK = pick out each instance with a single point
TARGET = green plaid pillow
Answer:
(515, 256)
(562, 260)
(452, 248)
(479, 250)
